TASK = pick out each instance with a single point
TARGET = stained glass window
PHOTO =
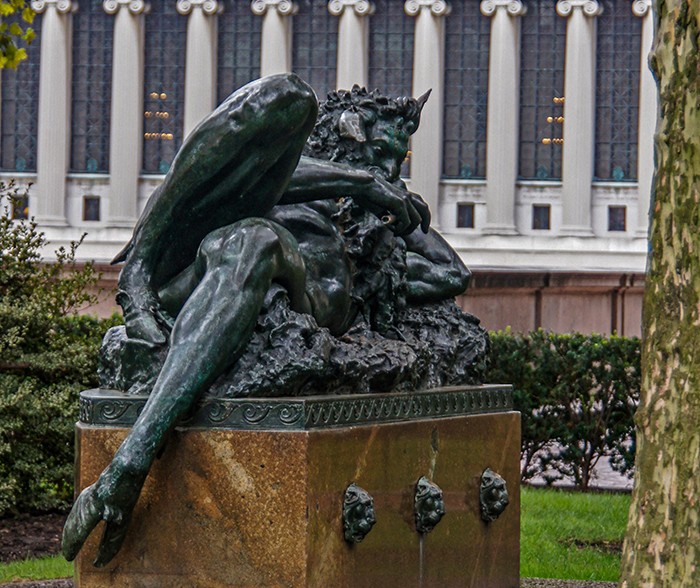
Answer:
(617, 92)
(164, 86)
(541, 88)
(391, 49)
(20, 102)
(314, 45)
(92, 87)
(467, 34)
(239, 47)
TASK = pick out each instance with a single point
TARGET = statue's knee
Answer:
(247, 239)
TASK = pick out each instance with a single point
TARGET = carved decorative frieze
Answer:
(641, 8)
(134, 6)
(62, 6)
(589, 7)
(360, 7)
(513, 7)
(283, 7)
(436, 7)
(209, 7)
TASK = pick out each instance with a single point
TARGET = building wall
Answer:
(534, 151)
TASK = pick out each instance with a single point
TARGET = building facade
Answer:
(534, 151)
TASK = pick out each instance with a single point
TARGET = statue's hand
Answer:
(400, 209)
(110, 499)
(144, 319)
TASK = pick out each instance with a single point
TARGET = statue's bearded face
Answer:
(385, 150)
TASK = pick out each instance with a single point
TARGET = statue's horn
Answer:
(423, 99)
(351, 126)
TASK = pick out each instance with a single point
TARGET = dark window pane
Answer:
(617, 92)
(543, 49)
(617, 218)
(20, 103)
(92, 87)
(239, 47)
(20, 207)
(314, 45)
(164, 86)
(91, 208)
(541, 217)
(465, 216)
(391, 49)
(467, 34)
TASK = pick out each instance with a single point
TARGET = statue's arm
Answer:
(435, 270)
(316, 179)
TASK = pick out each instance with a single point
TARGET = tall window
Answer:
(541, 89)
(164, 86)
(617, 92)
(239, 47)
(391, 49)
(314, 45)
(92, 87)
(467, 34)
(20, 101)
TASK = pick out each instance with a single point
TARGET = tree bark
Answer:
(662, 547)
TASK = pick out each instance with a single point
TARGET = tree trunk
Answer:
(662, 547)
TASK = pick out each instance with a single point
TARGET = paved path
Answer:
(604, 478)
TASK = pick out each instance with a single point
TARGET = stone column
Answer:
(579, 114)
(428, 73)
(200, 65)
(502, 127)
(54, 124)
(648, 113)
(353, 41)
(276, 42)
(126, 128)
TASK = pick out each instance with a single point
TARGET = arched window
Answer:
(164, 86)
(617, 92)
(315, 45)
(93, 32)
(239, 47)
(391, 49)
(20, 103)
(541, 88)
(467, 34)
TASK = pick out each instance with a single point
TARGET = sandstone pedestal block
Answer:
(249, 493)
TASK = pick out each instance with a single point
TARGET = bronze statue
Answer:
(241, 212)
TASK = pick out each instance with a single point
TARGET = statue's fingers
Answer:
(83, 518)
(423, 210)
(112, 539)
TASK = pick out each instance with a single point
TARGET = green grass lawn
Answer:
(46, 568)
(571, 535)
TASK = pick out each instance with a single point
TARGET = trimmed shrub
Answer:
(577, 395)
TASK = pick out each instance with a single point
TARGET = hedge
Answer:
(577, 395)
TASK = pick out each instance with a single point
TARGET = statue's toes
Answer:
(112, 539)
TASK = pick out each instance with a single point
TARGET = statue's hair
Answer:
(326, 142)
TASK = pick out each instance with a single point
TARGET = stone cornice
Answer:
(360, 7)
(62, 6)
(514, 7)
(283, 7)
(209, 7)
(641, 8)
(134, 6)
(589, 7)
(436, 7)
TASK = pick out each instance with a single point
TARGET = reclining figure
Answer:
(241, 211)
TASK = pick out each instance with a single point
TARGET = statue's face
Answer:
(385, 150)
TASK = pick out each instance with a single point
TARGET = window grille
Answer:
(93, 31)
(391, 49)
(617, 92)
(164, 86)
(467, 34)
(20, 107)
(543, 47)
(314, 45)
(239, 47)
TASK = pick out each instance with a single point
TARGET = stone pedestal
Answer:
(250, 493)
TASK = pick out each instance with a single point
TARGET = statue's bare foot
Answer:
(105, 500)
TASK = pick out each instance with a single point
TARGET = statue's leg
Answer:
(240, 263)
(236, 164)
